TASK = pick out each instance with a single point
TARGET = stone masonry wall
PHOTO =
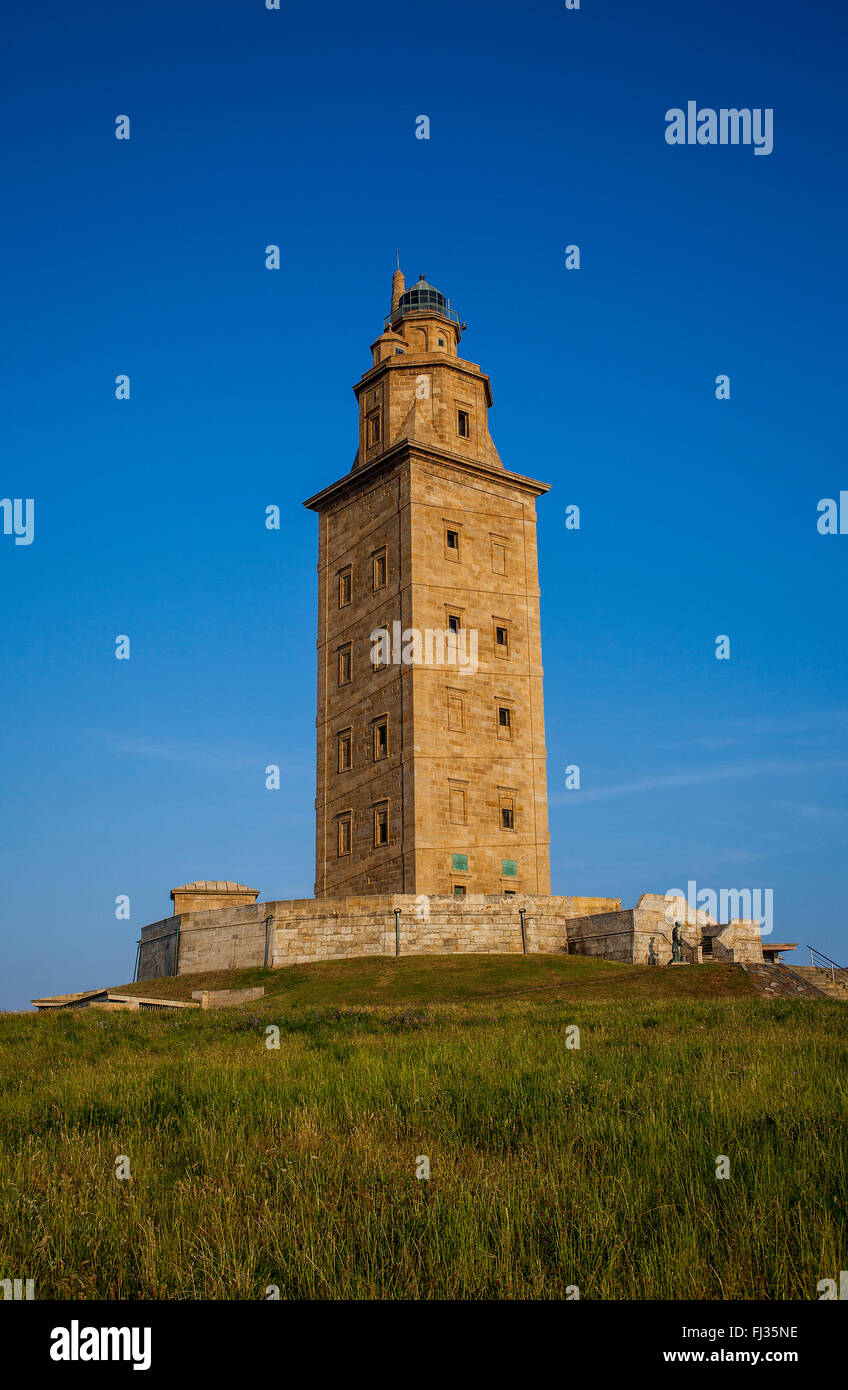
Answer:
(643, 936)
(605, 934)
(158, 943)
(291, 932)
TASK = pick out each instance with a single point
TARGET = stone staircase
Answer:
(820, 977)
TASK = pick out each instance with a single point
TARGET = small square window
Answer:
(380, 569)
(510, 868)
(345, 665)
(345, 750)
(459, 890)
(459, 863)
(399, 352)
(453, 541)
(345, 587)
(381, 739)
(506, 808)
(463, 424)
(441, 342)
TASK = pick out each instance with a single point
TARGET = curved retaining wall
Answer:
(295, 931)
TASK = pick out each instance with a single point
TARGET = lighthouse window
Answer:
(380, 570)
(381, 739)
(345, 833)
(345, 750)
(463, 426)
(453, 541)
(381, 825)
(345, 664)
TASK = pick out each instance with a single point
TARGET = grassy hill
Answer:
(551, 1165)
(428, 979)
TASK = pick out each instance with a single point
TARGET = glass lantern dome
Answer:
(422, 298)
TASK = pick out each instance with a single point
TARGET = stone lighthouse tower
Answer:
(430, 730)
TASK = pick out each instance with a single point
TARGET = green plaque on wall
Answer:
(460, 863)
(510, 868)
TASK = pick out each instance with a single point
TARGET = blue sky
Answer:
(146, 256)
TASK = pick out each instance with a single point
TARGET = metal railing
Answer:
(432, 311)
(818, 959)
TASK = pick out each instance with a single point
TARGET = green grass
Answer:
(437, 979)
(550, 1166)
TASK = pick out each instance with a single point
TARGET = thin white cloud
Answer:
(808, 811)
(198, 756)
(733, 730)
(805, 722)
(699, 777)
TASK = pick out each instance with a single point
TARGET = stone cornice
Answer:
(405, 448)
(407, 360)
